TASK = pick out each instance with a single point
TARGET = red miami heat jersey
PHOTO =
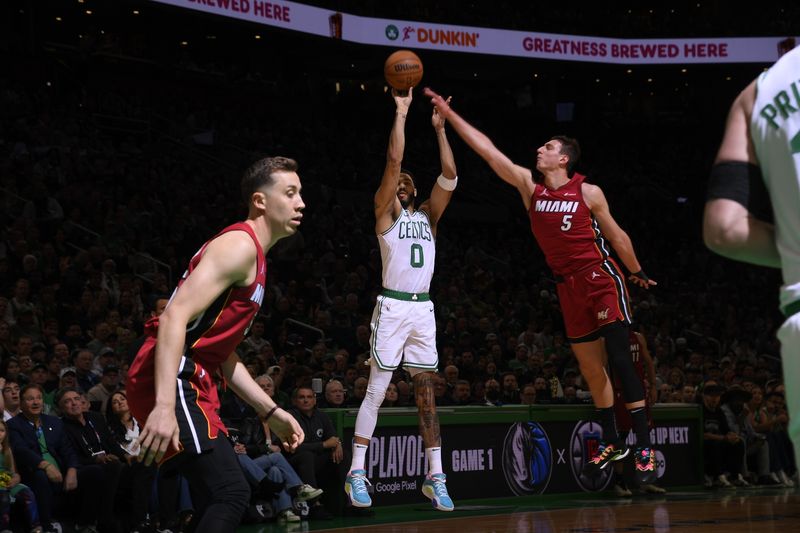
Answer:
(214, 335)
(210, 339)
(565, 228)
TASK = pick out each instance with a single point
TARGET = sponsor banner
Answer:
(445, 37)
(565, 47)
(286, 15)
(520, 458)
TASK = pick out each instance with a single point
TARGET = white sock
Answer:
(434, 456)
(359, 456)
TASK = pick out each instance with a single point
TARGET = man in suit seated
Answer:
(100, 458)
(45, 458)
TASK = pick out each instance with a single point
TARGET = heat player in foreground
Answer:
(761, 146)
(403, 321)
(170, 383)
(573, 226)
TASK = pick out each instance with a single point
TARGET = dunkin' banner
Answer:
(515, 459)
(408, 34)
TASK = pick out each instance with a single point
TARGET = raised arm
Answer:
(597, 203)
(729, 229)
(519, 177)
(228, 260)
(387, 206)
(442, 190)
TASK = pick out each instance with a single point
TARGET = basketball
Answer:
(403, 69)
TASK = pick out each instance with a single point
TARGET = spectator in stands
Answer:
(267, 384)
(544, 393)
(255, 340)
(45, 458)
(520, 360)
(723, 449)
(550, 377)
(136, 481)
(322, 444)
(68, 377)
(100, 337)
(756, 448)
(14, 489)
(359, 391)
(528, 395)
(510, 393)
(405, 393)
(9, 369)
(6, 347)
(334, 394)
(266, 469)
(451, 378)
(440, 395)
(689, 394)
(83, 361)
(100, 460)
(99, 394)
(775, 419)
(491, 393)
(11, 399)
(390, 398)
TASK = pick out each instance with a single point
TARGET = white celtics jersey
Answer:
(408, 253)
(775, 130)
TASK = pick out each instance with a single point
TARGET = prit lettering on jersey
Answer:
(782, 105)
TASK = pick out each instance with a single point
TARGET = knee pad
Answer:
(368, 412)
(619, 357)
(376, 389)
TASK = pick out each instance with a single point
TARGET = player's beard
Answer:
(408, 201)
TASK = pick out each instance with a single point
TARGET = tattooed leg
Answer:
(426, 410)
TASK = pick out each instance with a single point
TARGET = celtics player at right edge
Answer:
(403, 322)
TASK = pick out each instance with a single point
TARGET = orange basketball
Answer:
(403, 69)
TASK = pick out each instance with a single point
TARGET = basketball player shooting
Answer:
(403, 322)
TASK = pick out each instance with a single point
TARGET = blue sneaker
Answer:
(435, 489)
(355, 486)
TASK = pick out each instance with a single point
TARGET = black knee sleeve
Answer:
(618, 347)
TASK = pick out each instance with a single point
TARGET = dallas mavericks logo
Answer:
(527, 458)
(584, 442)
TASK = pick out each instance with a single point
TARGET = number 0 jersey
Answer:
(408, 253)
(565, 228)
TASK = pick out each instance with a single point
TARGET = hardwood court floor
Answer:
(756, 511)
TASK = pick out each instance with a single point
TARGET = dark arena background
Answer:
(125, 127)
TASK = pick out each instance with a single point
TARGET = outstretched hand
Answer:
(287, 429)
(403, 101)
(438, 119)
(641, 279)
(442, 105)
